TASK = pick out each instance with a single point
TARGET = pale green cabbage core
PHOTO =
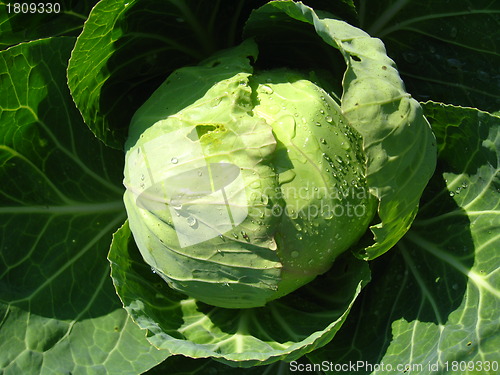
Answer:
(247, 192)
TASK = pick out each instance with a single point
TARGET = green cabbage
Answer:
(247, 189)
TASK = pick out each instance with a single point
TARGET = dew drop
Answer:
(174, 160)
(245, 236)
(255, 184)
(294, 254)
(322, 141)
(264, 199)
(329, 119)
(272, 244)
(327, 214)
(216, 101)
(191, 221)
(410, 57)
(176, 204)
(345, 145)
(267, 89)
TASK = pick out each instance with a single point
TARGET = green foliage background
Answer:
(433, 298)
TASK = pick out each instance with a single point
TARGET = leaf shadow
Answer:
(296, 316)
(417, 281)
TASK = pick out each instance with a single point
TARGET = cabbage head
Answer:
(246, 180)
(250, 187)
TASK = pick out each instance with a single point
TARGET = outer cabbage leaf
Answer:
(447, 54)
(284, 329)
(60, 202)
(180, 365)
(127, 47)
(397, 139)
(18, 27)
(433, 303)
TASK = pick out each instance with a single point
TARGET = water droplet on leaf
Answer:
(267, 89)
(245, 236)
(191, 221)
(272, 244)
(345, 145)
